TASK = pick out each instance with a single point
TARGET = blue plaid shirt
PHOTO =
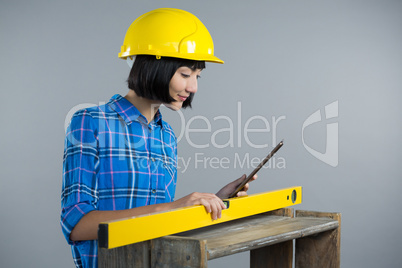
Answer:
(114, 160)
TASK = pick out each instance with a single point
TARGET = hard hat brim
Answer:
(188, 56)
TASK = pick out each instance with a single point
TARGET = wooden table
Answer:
(269, 238)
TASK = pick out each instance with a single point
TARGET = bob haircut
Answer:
(150, 77)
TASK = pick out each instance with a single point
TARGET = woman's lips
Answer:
(183, 98)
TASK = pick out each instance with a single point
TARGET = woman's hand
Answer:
(231, 187)
(211, 202)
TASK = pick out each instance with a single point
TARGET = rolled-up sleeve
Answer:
(80, 163)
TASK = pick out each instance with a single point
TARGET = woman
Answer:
(120, 158)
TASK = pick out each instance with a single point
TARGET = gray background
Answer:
(282, 58)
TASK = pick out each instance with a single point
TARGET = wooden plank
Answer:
(255, 232)
(141, 228)
(229, 228)
(264, 235)
(130, 256)
(170, 251)
(277, 255)
(322, 249)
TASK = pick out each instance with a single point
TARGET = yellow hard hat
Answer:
(169, 32)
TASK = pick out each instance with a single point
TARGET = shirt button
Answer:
(153, 159)
(153, 191)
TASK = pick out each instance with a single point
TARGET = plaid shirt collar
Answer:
(130, 113)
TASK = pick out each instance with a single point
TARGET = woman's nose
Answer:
(192, 85)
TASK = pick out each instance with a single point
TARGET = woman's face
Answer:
(183, 82)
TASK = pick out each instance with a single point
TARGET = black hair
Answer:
(150, 77)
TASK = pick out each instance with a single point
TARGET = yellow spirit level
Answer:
(123, 232)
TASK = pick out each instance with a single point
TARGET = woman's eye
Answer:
(185, 75)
